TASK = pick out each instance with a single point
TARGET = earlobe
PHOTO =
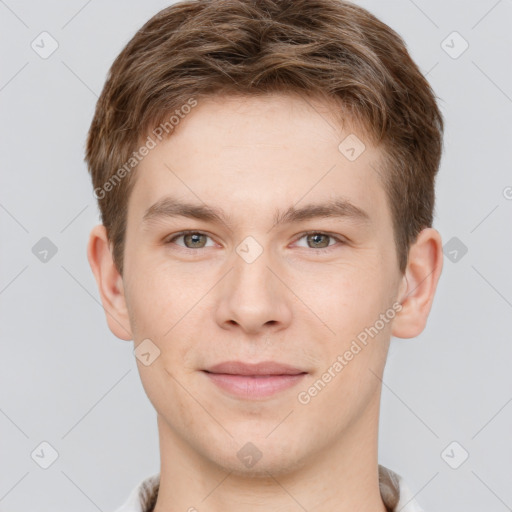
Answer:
(419, 284)
(109, 282)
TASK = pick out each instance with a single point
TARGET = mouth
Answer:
(254, 381)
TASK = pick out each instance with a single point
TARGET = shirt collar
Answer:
(395, 494)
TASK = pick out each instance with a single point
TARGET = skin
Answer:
(205, 304)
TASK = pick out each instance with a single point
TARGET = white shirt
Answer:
(395, 493)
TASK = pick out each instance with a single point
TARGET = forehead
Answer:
(259, 153)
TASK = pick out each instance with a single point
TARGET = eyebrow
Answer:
(169, 207)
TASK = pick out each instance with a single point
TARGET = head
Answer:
(265, 173)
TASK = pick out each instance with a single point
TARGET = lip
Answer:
(253, 381)
(262, 368)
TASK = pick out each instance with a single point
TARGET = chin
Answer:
(261, 457)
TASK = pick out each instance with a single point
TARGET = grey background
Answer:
(65, 379)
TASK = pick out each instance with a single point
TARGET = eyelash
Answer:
(319, 250)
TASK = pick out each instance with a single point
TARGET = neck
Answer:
(341, 478)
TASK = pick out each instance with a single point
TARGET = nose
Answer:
(253, 298)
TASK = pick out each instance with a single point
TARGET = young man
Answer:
(265, 173)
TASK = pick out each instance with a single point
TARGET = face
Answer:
(251, 237)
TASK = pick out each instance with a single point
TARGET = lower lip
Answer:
(246, 386)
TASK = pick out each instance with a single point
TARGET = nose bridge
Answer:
(251, 274)
(252, 296)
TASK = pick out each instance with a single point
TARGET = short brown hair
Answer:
(331, 49)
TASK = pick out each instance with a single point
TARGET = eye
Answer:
(191, 239)
(319, 240)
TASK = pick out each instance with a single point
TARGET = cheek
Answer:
(345, 297)
(159, 297)
(163, 305)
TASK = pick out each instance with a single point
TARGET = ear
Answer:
(110, 283)
(419, 284)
